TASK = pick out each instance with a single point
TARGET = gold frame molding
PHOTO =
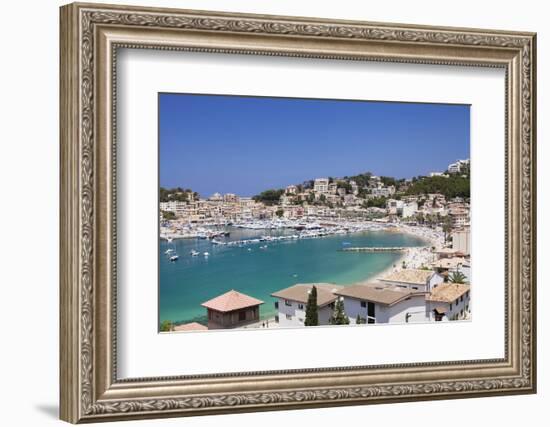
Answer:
(90, 37)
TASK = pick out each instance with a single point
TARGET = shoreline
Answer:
(414, 257)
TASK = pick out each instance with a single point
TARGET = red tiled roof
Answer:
(230, 301)
(193, 326)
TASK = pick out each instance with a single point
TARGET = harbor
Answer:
(270, 260)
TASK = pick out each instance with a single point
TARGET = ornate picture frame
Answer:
(90, 37)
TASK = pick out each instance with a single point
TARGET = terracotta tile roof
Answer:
(378, 293)
(445, 251)
(450, 262)
(193, 326)
(300, 293)
(417, 277)
(448, 292)
(230, 301)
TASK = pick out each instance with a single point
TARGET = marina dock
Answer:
(376, 249)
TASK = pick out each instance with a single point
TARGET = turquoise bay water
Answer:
(190, 281)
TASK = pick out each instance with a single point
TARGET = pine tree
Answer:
(312, 315)
(339, 315)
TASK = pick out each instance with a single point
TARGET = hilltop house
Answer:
(414, 280)
(379, 303)
(320, 185)
(449, 301)
(232, 309)
(291, 303)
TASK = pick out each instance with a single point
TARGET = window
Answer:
(461, 297)
(450, 306)
(415, 288)
(363, 304)
(371, 311)
(301, 306)
(288, 303)
(456, 302)
(242, 316)
(301, 320)
(288, 317)
(276, 304)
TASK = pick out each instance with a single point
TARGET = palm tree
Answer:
(457, 277)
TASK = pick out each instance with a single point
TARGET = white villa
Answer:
(458, 166)
(321, 185)
(449, 301)
(386, 301)
(414, 280)
(379, 303)
(291, 303)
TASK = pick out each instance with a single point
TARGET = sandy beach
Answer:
(417, 257)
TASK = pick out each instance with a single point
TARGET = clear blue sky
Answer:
(245, 145)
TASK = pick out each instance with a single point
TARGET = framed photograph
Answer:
(266, 212)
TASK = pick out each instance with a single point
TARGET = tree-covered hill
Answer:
(452, 186)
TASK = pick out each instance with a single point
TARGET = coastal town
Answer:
(429, 282)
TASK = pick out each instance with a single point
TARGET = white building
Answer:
(246, 202)
(449, 301)
(460, 217)
(321, 185)
(230, 198)
(401, 208)
(461, 241)
(414, 280)
(291, 303)
(216, 197)
(354, 188)
(408, 209)
(173, 206)
(291, 189)
(394, 206)
(383, 191)
(332, 188)
(458, 166)
(379, 303)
